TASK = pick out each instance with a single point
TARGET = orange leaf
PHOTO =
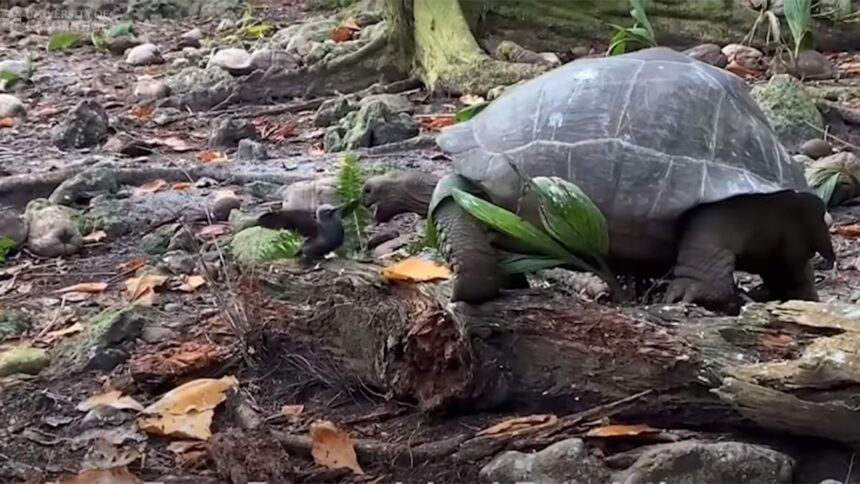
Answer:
(142, 289)
(142, 112)
(520, 424)
(187, 410)
(191, 283)
(852, 230)
(437, 121)
(152, 186)
(209, 156)
(351, 24)
(332, 448)
(179, 186)
(112, 398)
(131, 264)
(345, 30)
(88, 287)
(415, 269)
(52, 336)
(7, 122)
(622, 431)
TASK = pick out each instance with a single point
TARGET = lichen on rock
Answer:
(791, 110)
(375, 123)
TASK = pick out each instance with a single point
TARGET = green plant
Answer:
(798, 15)
(470, 112)
(6, 246)
(642, 31)
(824, 181)
(101, 38)
(576, 234)
(62, 41)
(350, 181)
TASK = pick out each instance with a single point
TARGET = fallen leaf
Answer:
(852, 230)
(520, 424)
(113, 399)
(740, 71)
(118, 475)
(345, 30)
(213, 230)
(179, 186)
(178, 145)
(142, 112)
(152, 186)
(471, 99)
(7, 122)
(332, 448)
(188, 453)
(104, 455)
(52, 336)
(87, 287)
(437, 121)
(191, 283)
(608, 431)
(292, 410)
(187, 410)
(415, 269)
(142, 289)
(209, 156)
(182, 446)
(131, 264)
(96, 236)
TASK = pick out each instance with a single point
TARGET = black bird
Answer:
(323, 231)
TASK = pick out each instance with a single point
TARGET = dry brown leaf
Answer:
(292, 410)
(187, 410)
(852, 230)
(213, 230)
(332, 448)
(142, 289)
(87, 287)
(345, 30)
(183, 446)
(118, 475)
(415, 269)
(520, 424)
(152, 186)
(96, 236)
(7, 122)
(191, 283)
(437, 121)
(471, 99)
(112, 398)
(176, 144)
(608, 431)
(131, 265)
(209, 156)
(142, 112)
(105, 455)
(52, 336)
(179, 186)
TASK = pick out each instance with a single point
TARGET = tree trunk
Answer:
(791, 367)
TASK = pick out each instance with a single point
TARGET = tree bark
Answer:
(791, 367)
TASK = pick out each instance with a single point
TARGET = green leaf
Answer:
(638, 14)
(10, 77)
(470, 112)
(571, 217)
(99, 40)
(6, 246)
(257, 30)
(509, 224)
(525, 264)
(798, 15)
(121, 29)
(350, 181)
(63, 40)
(827, 186)
(618, 43)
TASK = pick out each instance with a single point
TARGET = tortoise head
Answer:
(397, 192)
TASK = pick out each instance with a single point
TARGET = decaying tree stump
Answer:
(791, 367)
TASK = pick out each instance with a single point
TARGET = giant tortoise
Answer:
(683, 164)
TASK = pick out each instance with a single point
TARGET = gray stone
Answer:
(86, 126)
(23, 360)
(299, 45)
(709, 54)
(230, 131)
(156, 242)
(374, 124)
(53, 232)
(225, 24)
(816, 148)
(17, 67)
(179, 262)
(84, 186)
(566, 461)
(250, 150)
(11, 106)
(194, 34)
(183, 239)
(157, 334)
(233, 60)
(397, 103)
(265, 58)
(333, 110)
(144, 55)
(149, 89)
(13, 226)
(693, 462)
(789, 106)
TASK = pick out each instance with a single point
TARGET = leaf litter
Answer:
(186, 412)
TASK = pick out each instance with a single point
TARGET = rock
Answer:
(510, 51)
(193, 54)
(13, 226)
(127, 145)
(19, 68)
(709, 54)
(53, 232)
(847, 164)
(299, 45)
(183, 239)
(23, 360)
(179, 262)
(397, 103)
(250, 150)
(580, 51)
(265, 58)
(225, 24)
(86, 126)
(13, 323)
(816, 148)
(193, 34)
(11, 106)
(149, 89)
(747, 57)
(99, 346)
(225, 202)
(230, 131)
(789, 106)
(332, 110)
(240, 221)
(156, 242)
(550, 58)
(374, 124)
(692, 462)
(144, 55)
(121, 45)
(157, 334)
(233, 60)
(566, 461)
(84, 186)
(307, 195)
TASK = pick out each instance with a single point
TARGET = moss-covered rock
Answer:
(157, 241)
(197, 78)
(13, 322)
(84, 186)
(791, 110)
(24, 359)
(54, 230)
(375, 123)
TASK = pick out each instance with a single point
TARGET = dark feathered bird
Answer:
(323, 231)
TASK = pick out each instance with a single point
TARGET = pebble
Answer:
(144, 54)
(816, 148)
(11, 106)
(250, 150)
(709, 54)
(229, 131)
(233, 60)
(150, 89)
(194, 33)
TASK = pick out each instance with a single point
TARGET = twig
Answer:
(824, 132)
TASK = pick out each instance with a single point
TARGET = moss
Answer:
(790, 108)
(13, 322)
(24, 359)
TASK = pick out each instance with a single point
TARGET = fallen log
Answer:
(791, 367)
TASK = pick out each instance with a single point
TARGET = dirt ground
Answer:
(42, 434)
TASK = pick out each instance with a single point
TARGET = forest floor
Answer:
(42, 431)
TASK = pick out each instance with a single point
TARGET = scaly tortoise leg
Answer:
(466, 245)
(704, 275)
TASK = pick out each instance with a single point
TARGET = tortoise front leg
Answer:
(466, 246)
(704, 275)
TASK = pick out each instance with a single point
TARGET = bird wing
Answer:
(299, 221)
